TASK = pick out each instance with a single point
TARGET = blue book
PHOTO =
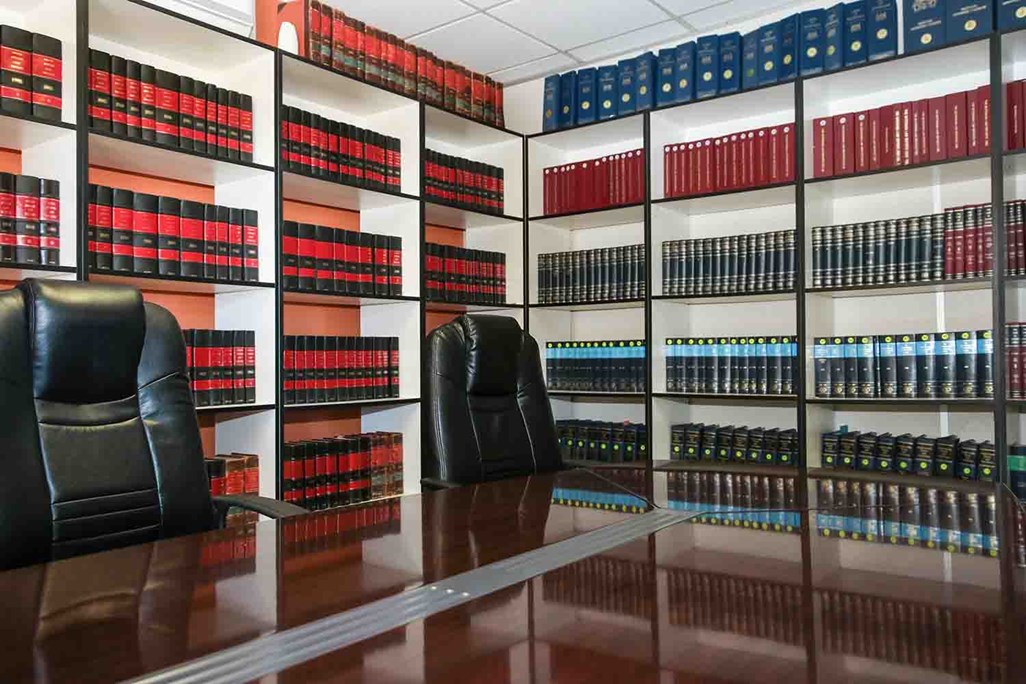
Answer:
(625, 87)
(813, 40)
(568, 99)
(730, 63)
(707, 56)
(644, 81)
(666, 93)
(586, 93)
(789, 39)
(769, 54)
(750, 60)
(550, 103)
(968, 19)
(685, 85)
(882, 29)
(606, 89)
(855, 49)
(1011, 14)
(924, 24)
(833, 24)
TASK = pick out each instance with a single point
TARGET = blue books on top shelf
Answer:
(730, 63)
(924, 24)
(1011, 14)
(644, 81)
(769, 54)
(882, 28)
(813, 39)
(685, 85)
(586, 93)
(625, 87)
(855, 49)
(750, 60)
(550, 103)
(789, 38)
(568, 99)
(708, 66)
(833, 24)
(968, 19)
(606, 87)
(666, 74)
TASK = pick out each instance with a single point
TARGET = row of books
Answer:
(327, 259)
(964, 459)
(338, 528)
(608, 274)
(464, 276)
(738, 161)
(233, 474)
(727, 443)
(942, 365)
(588, 583)
(1015, 355)
(352, 47)
(601, 366)
(732, 365)
(902, 134)
(759, 502)
(221, 366)
(139, 101)
(949, 246)
(30, 220)
(732, 264)
(1015, 237)
(31, 74)
(741, 605)
(612, 492)
(464, 182)
(325, 369)
(911, 515)
(342, 470)
(317, 146)
(135, 232)
(602, 441)
(608, 181)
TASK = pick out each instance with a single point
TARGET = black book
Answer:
(907, 366)
(169, 211)
(250, 246)
(167, 111)
(148, 100)
(201, 366)
(224, 246)
(99, 89)
(104, 198)
(307, 257)
(199, 117)
(926, 365)
(210, 243)
(186, 115)
(985, 363)
(249, 343)
(324, 261)
(946, 365)
(122, 228)
(851, 367)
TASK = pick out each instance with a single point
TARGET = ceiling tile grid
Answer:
(518, 40)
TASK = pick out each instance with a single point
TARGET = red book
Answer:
(667, 170)
(973, 242)
(887, 137)
(974, 128)
(844, 144)
(602, 181)
(694, 168)
(639, 174)
(904, 110)
(958, 265)
(760, 157)
(774, 163)
(1021, 87)
(708, 167)
(1013, 115)
(144, 233)
(1015, 378)
(873, 139)
(955, 120)
(861, 142)
(719, 178)
(823, 148)
(938, 145)
(736, 158)
(548, 194)
(920, 131)
(983, 104)
(788, 144)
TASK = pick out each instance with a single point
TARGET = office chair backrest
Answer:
(489, 414)
(99, 445)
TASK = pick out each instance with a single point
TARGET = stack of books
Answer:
(731, 265)
(601, 366)
(950, 457)
(607, 181)
(757, 365)
(729, 444)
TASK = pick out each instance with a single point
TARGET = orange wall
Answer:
(307, 212)
(154, 185)
(318, 423)
(10, 160)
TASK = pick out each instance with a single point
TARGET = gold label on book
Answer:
(626, 97)
(585, 105)
(607, 104)
(881, 34)
(926, 39)
(707, 76)
(768, 66)
(831, 49)
(548, 113)
(683, 83)
(811, 52)
(728, 73)
(970, 25)
(1020, 13)
(856, 45)
(666, 87)
(787, 59)
(566, 109)
(644, 90)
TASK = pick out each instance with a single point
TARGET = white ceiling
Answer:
(519, 40)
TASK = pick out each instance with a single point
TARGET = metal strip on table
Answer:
(279, 651)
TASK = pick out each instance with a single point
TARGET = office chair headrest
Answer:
(493, 345)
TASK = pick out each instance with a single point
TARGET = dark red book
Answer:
(169, 235)
(133, 98)
(787, 141)
(324, 260)
(958, 269)
(760, 156)
(167, 95)
(938, 128)
(145, 209)
(844, 144)
(99, 89)
(920, 131)
(49, 222)
(983, 103)
(47, 90)
(122, 228)
(904, 151)
(235, 258)
(192, 239)
(148, 98)
(888, 137)
(874, 138)
(27, 220)
(955, 120)
(974, 123)
(223, 241)
(118, 95)
(1013, 115)
(823, 147)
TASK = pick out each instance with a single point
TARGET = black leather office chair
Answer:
(489, 413)
(99, 444)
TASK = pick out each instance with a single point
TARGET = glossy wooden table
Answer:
(693, 602)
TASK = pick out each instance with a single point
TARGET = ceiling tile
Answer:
(539, 67)
(731, 13)
(398, 18)
(482, 44)
(566, 24)
(679, 7)
(635, 40)
(485, 4)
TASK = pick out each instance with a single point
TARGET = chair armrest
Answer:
(272, 508)
(433, 484)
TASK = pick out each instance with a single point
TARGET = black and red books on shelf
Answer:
(317, 146)
(464, 182)
(222, 366)
(332, 260)
(352, 47)
(464, 276)
(138, 101)
(738, 161)
(30, 74)
(30, 220)
(138, 233)
(902, 134)
(342, 470)
(326, 369)
(599, 183)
